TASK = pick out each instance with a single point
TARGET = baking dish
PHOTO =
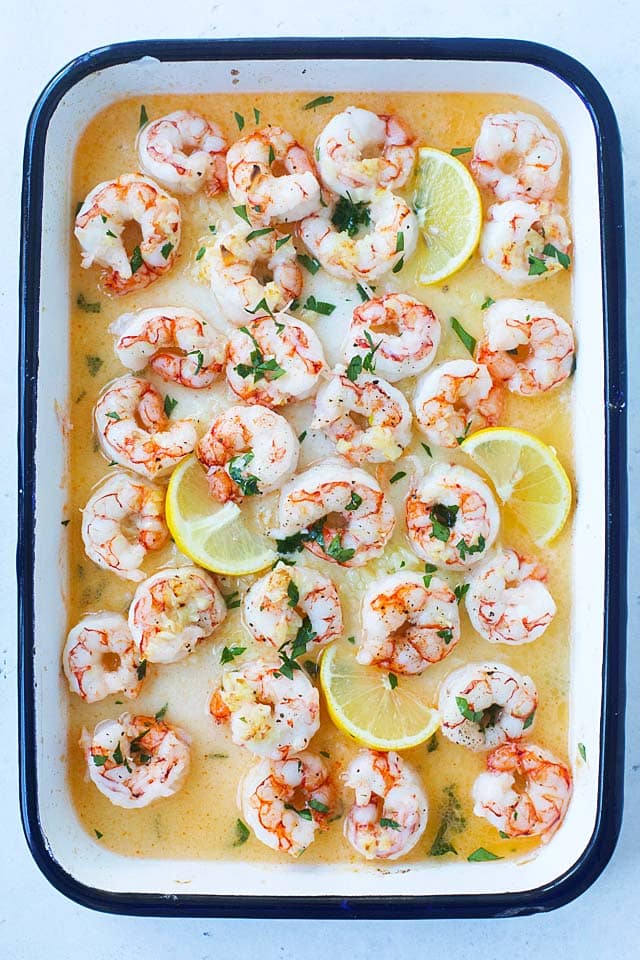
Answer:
(103, 880)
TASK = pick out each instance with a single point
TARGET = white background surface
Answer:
(36, 39)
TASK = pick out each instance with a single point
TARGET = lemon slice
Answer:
(375, 710)
(449, 213)
(528, 477)
(214, 536)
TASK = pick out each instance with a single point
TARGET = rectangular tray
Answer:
(568, 865)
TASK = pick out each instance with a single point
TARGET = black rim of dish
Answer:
(610, 792)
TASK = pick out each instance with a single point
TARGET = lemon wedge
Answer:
(528, 477)
(449, 212)
(213, 535)
(374, 707)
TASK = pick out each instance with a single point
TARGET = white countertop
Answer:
(36, 39)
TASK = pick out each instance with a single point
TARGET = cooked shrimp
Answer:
(271, 715)
(407, 625)
(517, 157)
(454, 398)
(294, 606)
(248, 451)
(248, 272)
(359, 151)
(134, 430)
(177, 343)
(100, 658)
(452, 517)
(525, 242)
(122, 521)
(254, 164)
(526, 346)
(484, 704)
(274, 360)
(406, 351)
(525, 791)
(136, 760)
(392, 238)
(340, 512)
(508, 601)
(390, 811)
(184, 152)
(286, 801)
(342, 404)
(173, 611)
(102, 219)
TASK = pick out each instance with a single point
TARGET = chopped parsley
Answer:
(247, 482)
(474, 716)
(364, 296)
(354, 502)
(319, 306)
(399, 265)
(481, 854)
(256, 115)
(337, 552)
(93, 364)
(465, 337)
(242, 833)
(259, 233)
(280, 242)
(293, 594)
(467, 550)
(99, 759)
(230, 653)
(563, 258)
(348, 216)
(259, 367)
(451, 822)
(113, 415)
(304, 813)
(389, 823)
(318, 102)
(399, 241)
(432, 744)
(136, 260)
(302, 436)
(309, 263)
(445, 634)
(461, 591)
(201, 252)
(161, 712)
(489, 301)
(239, 120)
(242, 212)
(529, 721)
(144, 117)
(397, 476)
(427, 449)
(442, 519)
(319, 807)
(260, 305)
(98, 834)
(232, 600)
(429, 570)
(536, 266)
(166, 250)
(199, 359)
(84, 304)
(393, 681)
(142, 670)
(169, 405)
(582, 750)
(311, 668)
(458, 151)
(351, 640)
(212, 227)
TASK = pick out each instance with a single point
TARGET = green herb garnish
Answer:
(230, 653)
(318, 102)
(466, 338)
(247, 482)
(169, 405)
(348, 216)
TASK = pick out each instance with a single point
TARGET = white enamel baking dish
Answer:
(579, 851)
